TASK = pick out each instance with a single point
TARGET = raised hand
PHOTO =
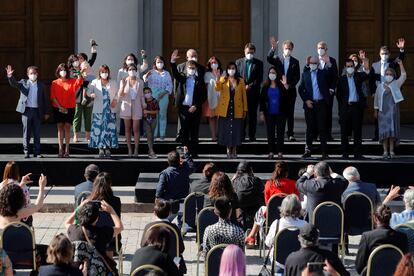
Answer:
(362, 54)
(273, 42)
(400, 43)
(9, 70)
(174, 55)
(142, 52)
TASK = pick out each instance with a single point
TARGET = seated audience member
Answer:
(297, 261)
(5, 264)
(408, 199)
(203, 184)
(278, 184)
(233, 261)
(60, 255)
(91, 171)
(320, 184)
(357, 185)
(406, 265)
(102, 190)
(221, 186)
(99, 237)
(383, 234)
(224, 231)
(249, 190)
(162, 210)
(155, 251)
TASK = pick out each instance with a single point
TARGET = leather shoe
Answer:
(306, 154)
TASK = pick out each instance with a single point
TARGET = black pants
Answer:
(376, 132)
(251, 119)
(351, 121)
(329, 121)
(290, 115)
(190, 123)
(316, 119)
(31, 121)
(275, 122)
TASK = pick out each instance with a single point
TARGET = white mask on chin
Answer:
(313, 67)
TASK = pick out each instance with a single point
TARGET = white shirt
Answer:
(133, 92)
(32, 97)
(321, 62)
(384, 66)
(286, 61)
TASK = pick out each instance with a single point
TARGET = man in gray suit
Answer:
(33, 105)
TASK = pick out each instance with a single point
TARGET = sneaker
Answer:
(292, 139)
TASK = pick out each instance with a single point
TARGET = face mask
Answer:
(350, 70)
(286, 52)
(249, 56)
(389, 78)
(62, 73)
(129, 61)
(33, 77)
(356, 63)
(384, 58)
(193, 59)
(321, 52)
(132, 73)
(272, 76)
(313, 67)
(75, 63)
(148, 95)
(191, 72)
(159, 65)
(104, 76)
(231, 72)
(214, 66)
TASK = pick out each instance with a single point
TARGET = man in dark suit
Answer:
(189, 98)
(352, 102)
(377, 72)
(251, 70)
(315, 92)
(383, 234)
(288, 66)
(33, 105)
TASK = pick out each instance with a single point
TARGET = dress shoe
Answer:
(38, 156)
(292, 139)
(306, 154)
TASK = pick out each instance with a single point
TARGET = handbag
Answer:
(264, 271)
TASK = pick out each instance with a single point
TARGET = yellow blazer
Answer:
(240, 98)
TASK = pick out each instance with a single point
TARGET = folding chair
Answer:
(359, 213)
(144, 269)
(212, 262)
(18, 240)
(205, 218)
(408, 230)
(81, 196)
(383, 260)
(286, 241)
(174, 250)
(193, 204)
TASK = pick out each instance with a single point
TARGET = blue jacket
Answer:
(366, 188)
(82, 187)
(403, 217)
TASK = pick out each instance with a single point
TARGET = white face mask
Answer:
(159, 65)
(321, 52)
(214, 66)
(313, 67)
(231, 72)
(249, 56)
(33, 77)
(350, 70)
(132, 73)
(389, 78)
(62, 73)
(193, 59)
(75, 63)
(129, 61)
(191, 72)
(148, 96)
(384, 58)
(104, 76)
(272, 76)
(286, 52)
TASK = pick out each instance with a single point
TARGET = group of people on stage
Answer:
(228, 96)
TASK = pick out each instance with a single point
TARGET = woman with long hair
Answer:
(221, 186)
(102, 190)
(233, 261)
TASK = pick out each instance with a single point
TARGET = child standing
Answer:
(150, 122)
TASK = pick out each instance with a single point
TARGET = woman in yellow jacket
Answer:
(231, 109)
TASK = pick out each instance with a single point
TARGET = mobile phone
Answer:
(97, 202)
(315, 266)
(34, 177)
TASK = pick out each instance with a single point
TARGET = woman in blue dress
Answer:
(104, 91)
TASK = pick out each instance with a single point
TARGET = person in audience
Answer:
(102, 190)
(249, 189)
(290, 214)
(221, 186)
(63, 97)
(320, 184)
(310, 251)
(224, 231)
(383, 234)
(278, 184)
(60, 256)
(203, 184)
(6, 268)
(408, 199)
(233, 261)
(155, 252)
(406, 265)
(150, 120)
(357, 185)
(91, 172)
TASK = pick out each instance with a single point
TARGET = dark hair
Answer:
(147, 88)
(102, 187)
(162, 208)
(11, 170)
(60, 250)
(250, 46)
(405, 266)
(88, 213)
(281, 171)
(209, 170)
(383, 214)
(61, 67)
(384, 48)
(348, 60)
(210, 60)
(83, 55)
(71, 59)
(173, 158)
(132, 66)
(301, 171)
(32, 67)
(244, 167)
(221, 186)
(102, 68)
(190, 62)
(222, 207)
(91, 171)
(125, 66)
(236, 75)
(359, 60)
(267, 81)
(322, 169)
(155, 61)
(159, 237)
(11, 200)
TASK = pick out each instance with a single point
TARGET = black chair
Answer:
(144, 269)
(212, 262)
(193, 204)
(286, 241)
(359, 213)
(174, 250)
(383, 260)
(408, 230)
(81, 196)
(18, 240)
(205, 218)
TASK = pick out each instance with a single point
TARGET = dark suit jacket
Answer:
(372, 239)
(201, 185)
(376, 76)
(200, 93)
(342, 93)
(333, 77)
(59, 270)
(324, 84)
(150, 255)
(264, 99)
(366, 188)
(256, 72)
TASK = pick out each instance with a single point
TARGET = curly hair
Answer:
(11, 200)
(88, 213)
(405, 266)
(221, 186)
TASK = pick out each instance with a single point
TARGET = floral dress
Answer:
(103, 134)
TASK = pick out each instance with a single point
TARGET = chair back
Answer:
(174, 250)
(408, 230)
(359, 213)
(213, 258)
(193, 204)
(18, 240)
(286, 241)
(144, 269)
(273, 209)
(328, 217)
(81, 196)
(383, 260)
(206, 217)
